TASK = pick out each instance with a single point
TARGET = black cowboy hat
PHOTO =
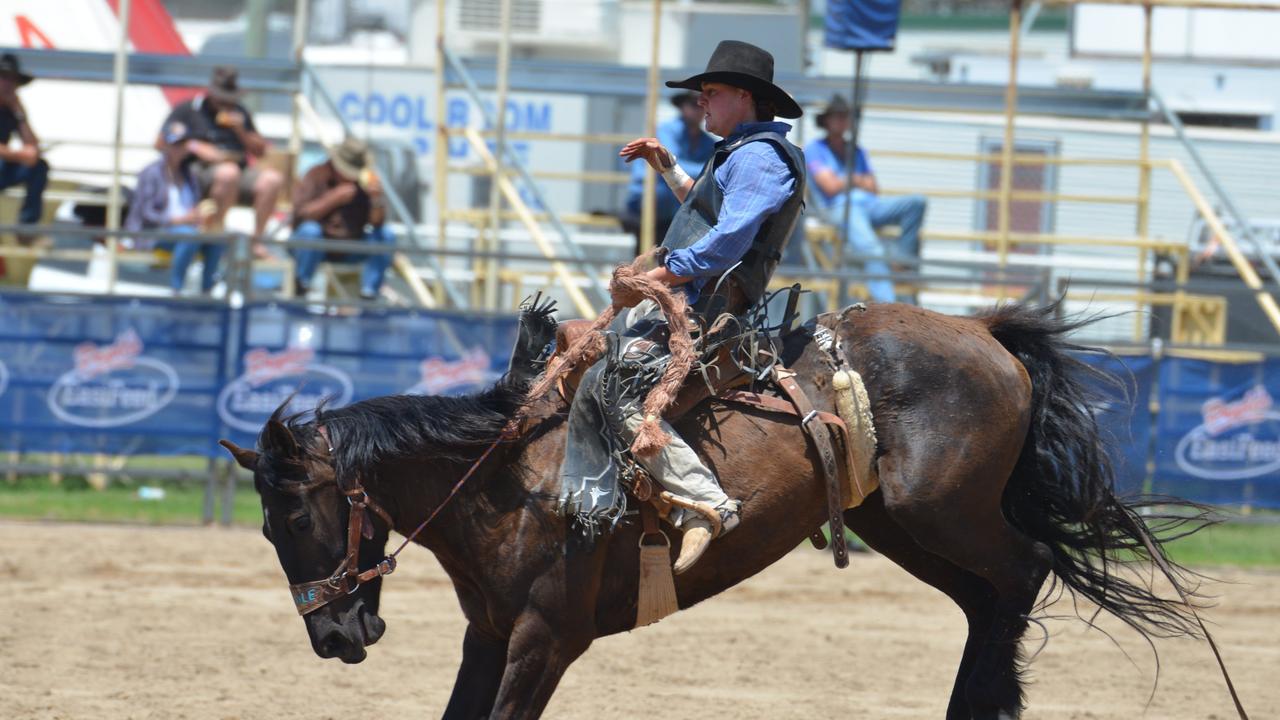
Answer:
(837, 105)
(745, 66)
(224, 84)
(9, 66)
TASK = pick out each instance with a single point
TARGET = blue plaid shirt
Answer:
(756, 182)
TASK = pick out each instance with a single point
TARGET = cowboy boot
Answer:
(699, 531)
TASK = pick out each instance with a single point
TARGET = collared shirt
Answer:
(756, 182)
(819, 156)
(202, 122)
(691, 153)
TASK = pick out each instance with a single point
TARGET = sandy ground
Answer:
(129, 622)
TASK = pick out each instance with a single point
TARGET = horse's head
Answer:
(307, 517)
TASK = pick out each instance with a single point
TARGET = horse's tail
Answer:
(1062, 491)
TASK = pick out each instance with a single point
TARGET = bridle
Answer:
(347, 578)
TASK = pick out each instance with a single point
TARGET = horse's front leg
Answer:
(483, 662)
(538, 654)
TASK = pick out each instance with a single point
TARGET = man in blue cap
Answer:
(723, 245)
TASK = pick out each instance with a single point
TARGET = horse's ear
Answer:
(279, 439)
(246, 458)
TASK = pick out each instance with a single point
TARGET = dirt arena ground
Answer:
(131, 622)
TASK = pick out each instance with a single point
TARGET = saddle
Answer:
(726, 380)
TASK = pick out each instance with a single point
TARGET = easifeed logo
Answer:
(1238, 439)
(269, 380)
(469, 373)
(112, 385)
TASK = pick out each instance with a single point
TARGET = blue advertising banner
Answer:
(862, 24)
(288, 350)
(1218, 434)
(114, 376)
(1124, 414)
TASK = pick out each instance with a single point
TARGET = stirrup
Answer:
(709, 513)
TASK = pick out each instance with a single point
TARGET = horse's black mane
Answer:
(435, 428)
(367, 432)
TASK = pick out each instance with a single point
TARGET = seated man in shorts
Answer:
(223, 138)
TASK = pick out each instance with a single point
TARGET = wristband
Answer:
(675, 177)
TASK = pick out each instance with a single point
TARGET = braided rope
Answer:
(628, 287)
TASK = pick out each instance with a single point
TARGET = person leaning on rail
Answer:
(342, 199)
(23, 166)
(868, 211)
(735, 219)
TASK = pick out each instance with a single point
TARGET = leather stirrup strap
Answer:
(821, 438)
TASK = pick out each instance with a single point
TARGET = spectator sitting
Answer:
(167, 198)
(693, 147)
(337, 200)
(223, 138)
(828, 169)
(23, 166)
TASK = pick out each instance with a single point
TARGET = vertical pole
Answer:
(120, 77)
(300, 22)
(648, 211)
(441, 189)
(229, 479)
(1144, 163)
(1010, 113)
(499, 157)
(850, 161)
(210, 489)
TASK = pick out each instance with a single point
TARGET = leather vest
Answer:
(700, 210)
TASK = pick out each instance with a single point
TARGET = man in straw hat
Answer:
(22, 166)
(692, 147)
(722, 247)
(867, 211)
(341, 199)
(223, 139)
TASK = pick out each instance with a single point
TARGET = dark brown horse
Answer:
(992, 477)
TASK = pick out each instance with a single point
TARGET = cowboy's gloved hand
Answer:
(658, 157)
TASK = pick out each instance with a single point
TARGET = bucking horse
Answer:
(993, 476)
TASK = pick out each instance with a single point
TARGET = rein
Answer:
(347, 578)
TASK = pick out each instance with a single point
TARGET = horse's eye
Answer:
(302, 523)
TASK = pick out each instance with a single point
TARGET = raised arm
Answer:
(661, 160)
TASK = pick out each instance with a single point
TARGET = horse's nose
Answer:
(334, 645)
(338, 645)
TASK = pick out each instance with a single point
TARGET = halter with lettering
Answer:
(347, 578)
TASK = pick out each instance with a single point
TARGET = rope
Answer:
(629, 286)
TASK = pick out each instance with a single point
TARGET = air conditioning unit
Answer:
(547, 23)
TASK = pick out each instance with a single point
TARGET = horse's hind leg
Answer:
(956, 513)
(971, 593)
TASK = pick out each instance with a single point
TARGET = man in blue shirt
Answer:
(692, 147)
(731, 226)
(867, 210)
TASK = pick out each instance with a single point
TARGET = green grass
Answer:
(73, 500)
(1239, 544)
